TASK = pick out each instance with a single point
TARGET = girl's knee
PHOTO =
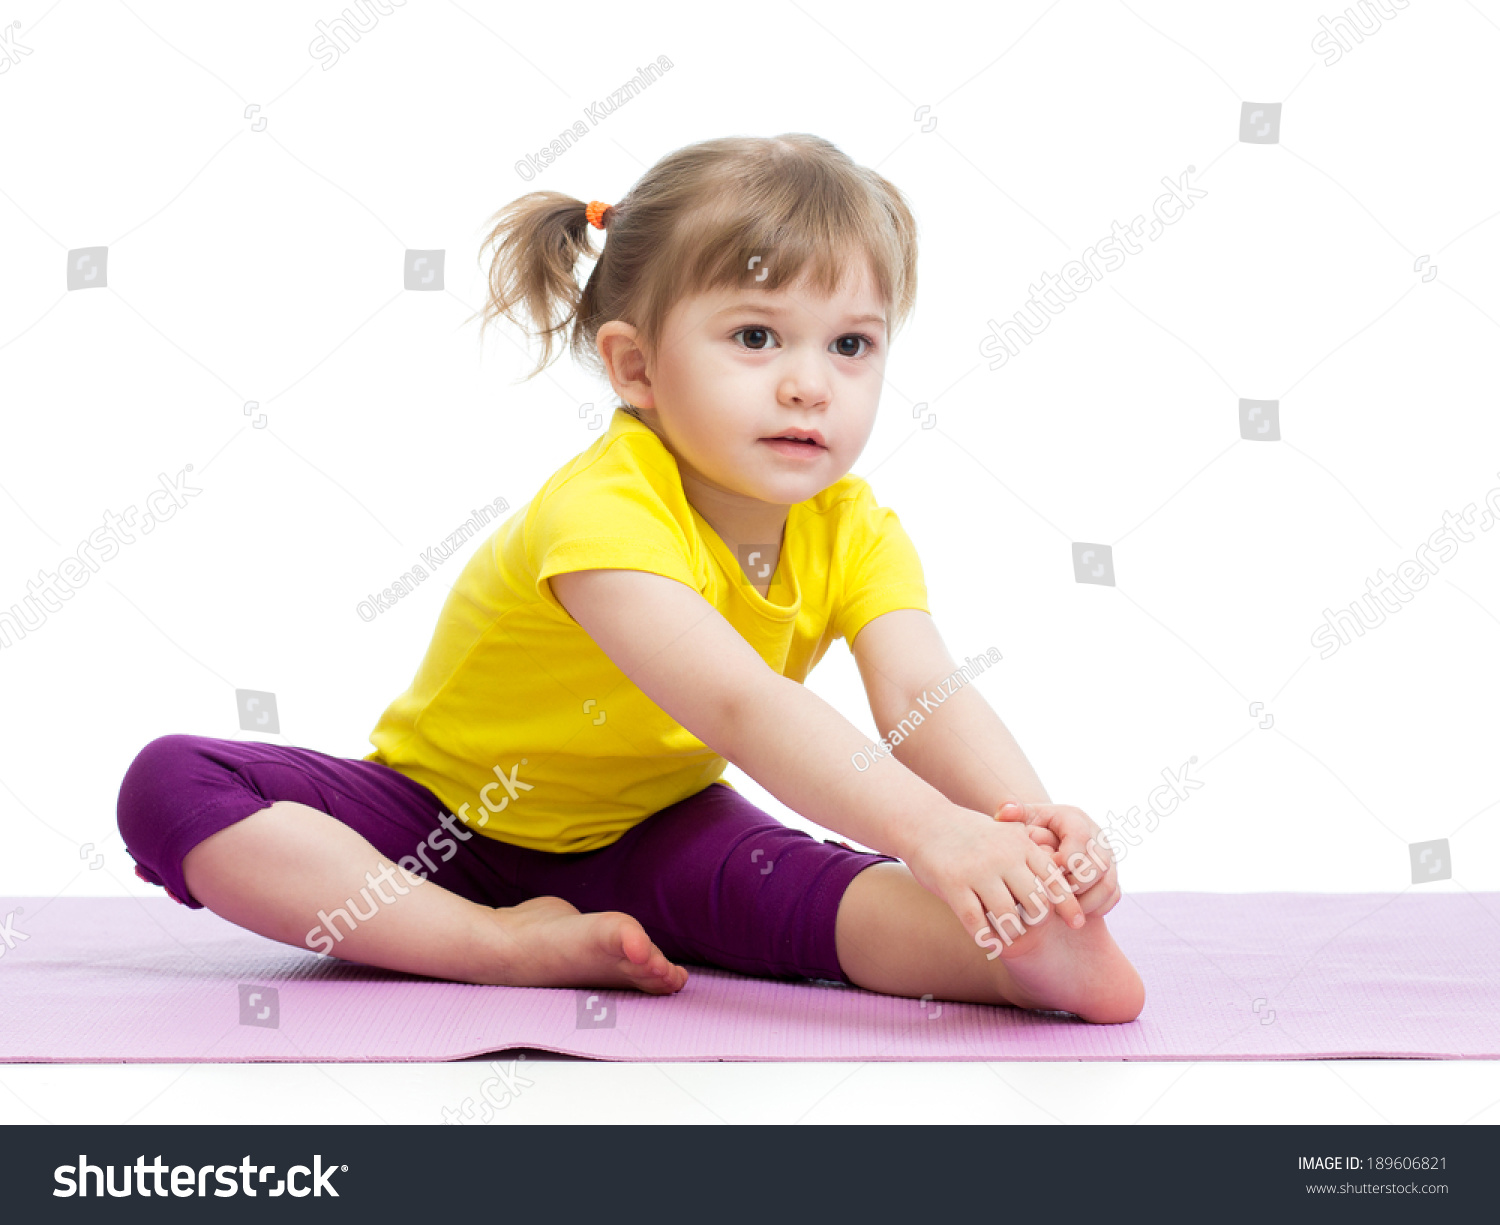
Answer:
(161, 752)
(159, 794)
(154, 789)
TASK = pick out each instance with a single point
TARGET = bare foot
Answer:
(546, 942)
(1082, 971)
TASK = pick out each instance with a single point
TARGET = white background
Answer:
(266, 265)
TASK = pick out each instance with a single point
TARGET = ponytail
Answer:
(532, 283)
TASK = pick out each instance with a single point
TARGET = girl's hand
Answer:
(1072, 831)
(985, 869)
(1043, 836)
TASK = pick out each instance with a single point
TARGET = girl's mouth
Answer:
(798, 448)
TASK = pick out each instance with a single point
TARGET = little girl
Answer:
(544, 801)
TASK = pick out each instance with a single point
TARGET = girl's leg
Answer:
(294, 874)
(319, 851)
(895, 937)
(714, 880)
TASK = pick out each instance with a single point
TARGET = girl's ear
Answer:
(625, 362)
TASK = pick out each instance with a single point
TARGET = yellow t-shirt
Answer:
(528, 732)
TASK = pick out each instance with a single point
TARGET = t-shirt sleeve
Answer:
(610, 516)
(881, 571)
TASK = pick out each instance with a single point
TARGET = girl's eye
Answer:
(764, 336)
(764, 332)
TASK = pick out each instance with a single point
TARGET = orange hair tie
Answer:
(596, 211)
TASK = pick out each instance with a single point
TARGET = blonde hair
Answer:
(693, 223)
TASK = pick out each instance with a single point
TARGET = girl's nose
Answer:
(805, 382)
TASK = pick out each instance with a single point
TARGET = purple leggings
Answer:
(712, 878)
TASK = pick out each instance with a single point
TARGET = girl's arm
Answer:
(961, 747)
(691, 662)
(681, 652)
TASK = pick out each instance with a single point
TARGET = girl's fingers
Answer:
(1099, 897)
(1029, 882)
(1057, 890)
(1101, 853)
(1080, 887)
(971, 911)
(1000, 912)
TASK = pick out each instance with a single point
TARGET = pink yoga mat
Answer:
(1409, 975)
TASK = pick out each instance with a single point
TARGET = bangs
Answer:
(771, 235)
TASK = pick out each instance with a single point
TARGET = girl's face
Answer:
(738, 368)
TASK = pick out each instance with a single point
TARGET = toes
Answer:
(641, 961)
(660, 978)
(659, 969)
(624, 935)
(545, 905)
(634, 942)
